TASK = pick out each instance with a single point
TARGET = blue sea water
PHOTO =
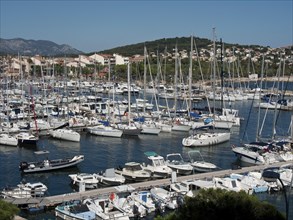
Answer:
(104, 152)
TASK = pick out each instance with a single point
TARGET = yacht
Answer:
(190, 187)
(257, 153)
(103, 130)
(74, 210)
(90, 181)
(198, 163)
(164, 196)
(104, 208)
(205, 139)
(6, 139)
(110, 178)
(157, 166)
(65, 134)
(26, 139)
(134, 171)
(25, 190)
(177, 164)
(231, 184)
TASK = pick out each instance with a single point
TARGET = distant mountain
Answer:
(34, 47)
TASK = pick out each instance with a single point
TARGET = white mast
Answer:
(128, 84)
(190, 74)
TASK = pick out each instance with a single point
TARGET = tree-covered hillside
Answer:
(166, 44)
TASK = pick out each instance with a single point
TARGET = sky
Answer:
(98, 25)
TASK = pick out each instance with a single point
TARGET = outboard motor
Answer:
(23, 166)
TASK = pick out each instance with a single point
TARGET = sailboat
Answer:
(205, 139)
(130, 128)
(208, 138)
(147, 126)
(177, 124)
(65, 133)
(266, 152)
(104, 129)
(6, 138)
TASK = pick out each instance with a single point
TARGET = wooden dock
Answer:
(52, 201)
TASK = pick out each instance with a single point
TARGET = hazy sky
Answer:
(97, 25)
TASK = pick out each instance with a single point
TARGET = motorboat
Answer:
(257, 154)
(257, 185)
(190, 187)
(231, 184)
(26, 139)
(157, 166)
(249, 155)
(6, 139)
(273, 186)
(90, 181)
(25, 190)
(177, 164)
(105, 208)
(134, 171)
(103, 130)
(49, 165)
(65, 134)
(164, 196)
(198, 163)
(128, 205)
(74, 210)
(110, 178)
(144, 198)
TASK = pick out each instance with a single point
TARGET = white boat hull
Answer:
(205, 139)
(65, 134)
(105, 131)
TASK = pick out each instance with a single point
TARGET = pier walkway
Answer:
(52, 201)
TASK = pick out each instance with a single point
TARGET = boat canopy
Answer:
(151, 153)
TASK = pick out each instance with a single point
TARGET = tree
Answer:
(7, 210)
(215, 204)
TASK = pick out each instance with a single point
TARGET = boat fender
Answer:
(112, 196)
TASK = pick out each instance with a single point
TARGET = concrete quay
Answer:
(53, 201)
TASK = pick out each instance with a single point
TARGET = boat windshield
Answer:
(158, 162)
(134, 167)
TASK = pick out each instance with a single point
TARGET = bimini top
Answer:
(151, 153)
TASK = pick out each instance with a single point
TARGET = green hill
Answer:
(183, 43)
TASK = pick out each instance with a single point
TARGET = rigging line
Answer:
(283, 95)
(249, 113)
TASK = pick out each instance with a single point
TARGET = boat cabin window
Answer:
(234, 185)
(134, 168)
(184, 185)
(87, 178)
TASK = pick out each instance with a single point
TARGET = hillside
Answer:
(34, 47)
(183, 43)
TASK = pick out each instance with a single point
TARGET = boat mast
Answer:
(175, 79)
(214, 70)
(190, 73)
(128, 84)
(144, 78)
(258, 116)
(222, 76)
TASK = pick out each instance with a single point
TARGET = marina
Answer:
(102, 152)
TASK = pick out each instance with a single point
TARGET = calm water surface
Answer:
(102, 152)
